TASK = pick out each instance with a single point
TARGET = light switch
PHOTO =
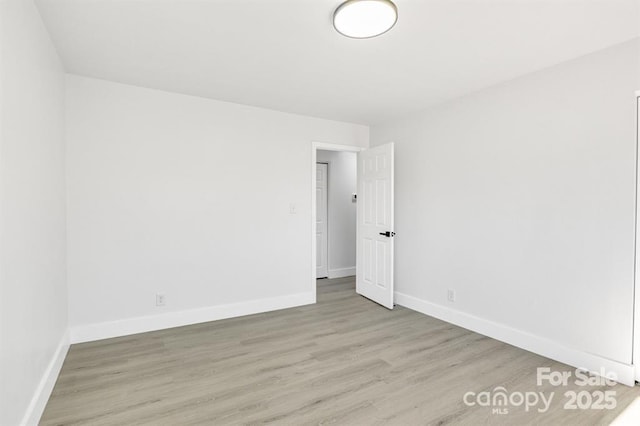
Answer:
(293, 209)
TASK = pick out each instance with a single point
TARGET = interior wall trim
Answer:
(125, 327)
(625, 373)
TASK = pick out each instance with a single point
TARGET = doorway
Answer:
(336, 181)
(374, 227)
(333, 228)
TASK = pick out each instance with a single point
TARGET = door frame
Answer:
(323, 146)
(635, 338)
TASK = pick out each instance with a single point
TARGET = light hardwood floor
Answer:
(344, 360)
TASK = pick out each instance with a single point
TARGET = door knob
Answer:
(388, 234)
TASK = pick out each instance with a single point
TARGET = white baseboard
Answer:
(548, 348)
(124, 327)
(47, 382)
(342, 272)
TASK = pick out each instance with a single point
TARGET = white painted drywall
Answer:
(342, 210)
(33, 293)
(187, 197)
(521, 199)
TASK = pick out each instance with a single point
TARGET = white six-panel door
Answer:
(322, 247)
(374, 269)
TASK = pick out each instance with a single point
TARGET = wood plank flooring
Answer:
(344, 360)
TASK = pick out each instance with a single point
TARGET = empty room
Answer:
(352, 212)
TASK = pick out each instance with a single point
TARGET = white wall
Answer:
(33, 293)
(188, 197)
(342, 183)
(521, 199)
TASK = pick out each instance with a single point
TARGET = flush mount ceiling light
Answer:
(365, 18)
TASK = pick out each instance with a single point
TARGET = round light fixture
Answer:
(365, 18)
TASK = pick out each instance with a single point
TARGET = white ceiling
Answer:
(285, 54)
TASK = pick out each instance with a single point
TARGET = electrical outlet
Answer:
(160, 299)
(451, 295)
